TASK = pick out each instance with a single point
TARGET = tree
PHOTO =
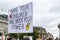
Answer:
(35, 34)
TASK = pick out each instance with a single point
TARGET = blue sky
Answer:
(46, 13)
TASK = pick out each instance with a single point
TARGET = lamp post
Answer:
(59, 31)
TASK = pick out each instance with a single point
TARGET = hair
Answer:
(49, 39)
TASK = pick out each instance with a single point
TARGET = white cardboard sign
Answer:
(20, 19)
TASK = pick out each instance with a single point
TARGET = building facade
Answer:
(43, 35)
(3, 25)
(49, 36)
(41, 32)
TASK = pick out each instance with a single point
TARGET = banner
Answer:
(20, 19)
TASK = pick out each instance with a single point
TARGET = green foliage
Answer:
(13, 35)
(34, 34)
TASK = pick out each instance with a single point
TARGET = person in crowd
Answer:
(49, 39)
(9, 38)
(13, 39)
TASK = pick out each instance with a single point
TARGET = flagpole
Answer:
(18, 36)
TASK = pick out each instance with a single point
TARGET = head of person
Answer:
(49, 39)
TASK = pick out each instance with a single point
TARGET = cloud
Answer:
(54, 6)
(55, 9)
(7, 4)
